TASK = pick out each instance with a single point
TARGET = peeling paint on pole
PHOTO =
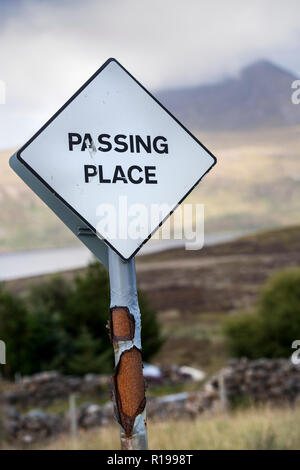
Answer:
(122, 324)
(125, 332)
(129, 389)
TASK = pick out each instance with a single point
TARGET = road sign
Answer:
(70, 219)
(113, 150)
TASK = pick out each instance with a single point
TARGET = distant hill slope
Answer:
(259, 96)
(284, 241)
(255, 185)
(25, 221)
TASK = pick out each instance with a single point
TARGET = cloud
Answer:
(48, 49)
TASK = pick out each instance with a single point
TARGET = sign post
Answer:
(125, 332)
(113, 164)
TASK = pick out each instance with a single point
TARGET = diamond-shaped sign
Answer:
(113, 150)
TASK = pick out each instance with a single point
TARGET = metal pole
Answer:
(125, 332)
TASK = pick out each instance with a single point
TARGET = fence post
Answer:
(222, 391)
(73, 417)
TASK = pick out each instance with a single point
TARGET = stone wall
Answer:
(275, 381)
(36, 425)
(259, 381)
(42, 389)
(47, 387)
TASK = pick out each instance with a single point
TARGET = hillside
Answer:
(259, 96)
(254, 186)
(193, 291)
(25, 221)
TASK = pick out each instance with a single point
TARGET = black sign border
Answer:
(19, 152)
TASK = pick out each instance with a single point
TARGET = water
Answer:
(24, 264)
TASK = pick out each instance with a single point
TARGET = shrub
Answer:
(14, 331)
(88, 310)
(270, 330)
(243, 335)
(62, 325)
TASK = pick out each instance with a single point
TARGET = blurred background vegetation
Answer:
(61, 325)
(271, 327)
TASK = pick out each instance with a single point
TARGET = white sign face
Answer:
(112, 153)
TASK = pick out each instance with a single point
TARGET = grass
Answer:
(251, 429)
(193, 339)
(61, 406)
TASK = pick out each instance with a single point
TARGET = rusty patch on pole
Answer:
(122, 324)
(129, 388)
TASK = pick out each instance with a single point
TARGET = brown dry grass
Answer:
(256, 428)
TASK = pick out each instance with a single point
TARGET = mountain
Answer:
(259, 96)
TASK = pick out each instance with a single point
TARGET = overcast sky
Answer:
(48, 48)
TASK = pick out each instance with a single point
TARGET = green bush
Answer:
(62, 325)
(270, 330)
(15, 332)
